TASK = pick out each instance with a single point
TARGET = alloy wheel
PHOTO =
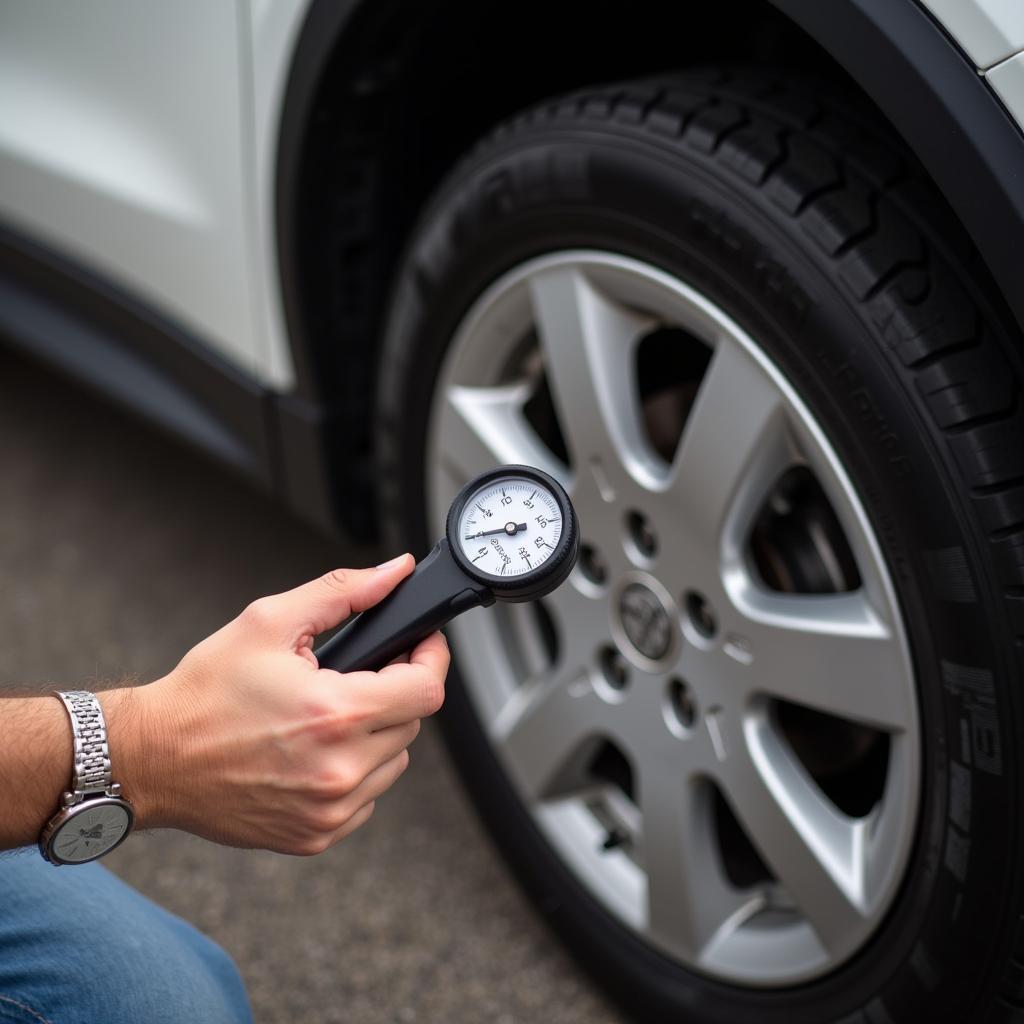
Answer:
(714, 721)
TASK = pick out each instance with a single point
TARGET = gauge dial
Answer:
(510, 526)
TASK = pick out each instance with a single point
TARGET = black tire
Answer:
(795, 210)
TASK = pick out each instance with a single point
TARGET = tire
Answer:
(794, 213)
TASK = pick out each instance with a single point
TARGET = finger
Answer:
(321, 604)
(432, 654)
(304, 648)
(378, 782)
(360, 818)
(373, 750)
(398, 693)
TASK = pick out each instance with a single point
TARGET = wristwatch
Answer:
(93, 816)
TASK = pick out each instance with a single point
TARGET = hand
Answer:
(248, 742)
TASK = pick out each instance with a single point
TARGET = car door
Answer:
(123, 145)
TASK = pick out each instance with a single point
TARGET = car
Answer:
(746, 277)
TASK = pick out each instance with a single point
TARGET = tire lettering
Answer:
(958, 849)
(976, 690)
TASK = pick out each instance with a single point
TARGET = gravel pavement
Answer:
(121, 549)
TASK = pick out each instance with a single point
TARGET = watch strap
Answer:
(91, 772)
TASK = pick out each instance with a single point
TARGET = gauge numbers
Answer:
(510, 527)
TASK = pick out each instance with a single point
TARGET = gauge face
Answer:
(509, 527)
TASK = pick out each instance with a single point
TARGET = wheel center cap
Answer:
(645, 622)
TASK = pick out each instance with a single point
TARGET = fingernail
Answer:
(391, 564)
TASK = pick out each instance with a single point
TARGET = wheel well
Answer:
(404, 91)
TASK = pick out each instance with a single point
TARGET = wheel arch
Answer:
(367, 130)
(943, 109)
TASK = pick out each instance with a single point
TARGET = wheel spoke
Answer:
(547, 729)
(579, 622)
(690, 904)
(829, 652)
(589, 343)
(734, 447)
(525, 633)
(552, 714)
(480, 427)
(815, 852)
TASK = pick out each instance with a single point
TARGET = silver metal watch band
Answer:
(92, 771)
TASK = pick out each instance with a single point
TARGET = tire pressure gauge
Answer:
(511, 535)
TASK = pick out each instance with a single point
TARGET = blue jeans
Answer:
(78, 946)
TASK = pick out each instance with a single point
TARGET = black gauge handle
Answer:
(447, 582)
(436, 591)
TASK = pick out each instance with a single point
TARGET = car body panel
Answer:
(123, 144)
(988, 31)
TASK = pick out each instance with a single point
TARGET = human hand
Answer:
(249, 743)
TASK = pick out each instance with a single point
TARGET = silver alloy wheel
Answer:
(690, 694)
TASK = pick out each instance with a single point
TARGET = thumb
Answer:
(321, 604)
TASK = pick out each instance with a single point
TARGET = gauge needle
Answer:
(510, 528)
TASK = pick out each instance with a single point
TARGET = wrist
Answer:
(41, 737)
(138, 753)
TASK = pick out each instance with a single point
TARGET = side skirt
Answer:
(93, 331)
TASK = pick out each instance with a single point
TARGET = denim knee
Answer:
(78, 946)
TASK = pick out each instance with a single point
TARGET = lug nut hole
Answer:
(614, 668)
(641, 534)
(683, 703)
(592, 565)
(700, 614)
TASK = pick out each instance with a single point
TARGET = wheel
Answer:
(754, 760)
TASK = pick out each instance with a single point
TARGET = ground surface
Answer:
(119, 550)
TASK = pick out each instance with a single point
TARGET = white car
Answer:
(748, 278)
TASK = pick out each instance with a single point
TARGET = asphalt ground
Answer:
(120, 549)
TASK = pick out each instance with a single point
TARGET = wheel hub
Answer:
(645, 627)
(645, 622)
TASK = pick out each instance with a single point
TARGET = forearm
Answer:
(36, 758)
(247, 742)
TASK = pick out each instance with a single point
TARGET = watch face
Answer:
(93, 829)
